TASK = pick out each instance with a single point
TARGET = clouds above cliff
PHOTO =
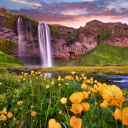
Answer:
(70, 12)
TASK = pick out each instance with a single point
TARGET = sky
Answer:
(70, 13)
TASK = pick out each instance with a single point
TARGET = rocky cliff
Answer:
(67, 43)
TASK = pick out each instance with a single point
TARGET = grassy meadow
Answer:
(103, 54)
(33, 100)
(37, 101)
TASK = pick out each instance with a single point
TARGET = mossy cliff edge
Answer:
(67, 42)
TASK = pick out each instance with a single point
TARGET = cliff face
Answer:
(67, 43)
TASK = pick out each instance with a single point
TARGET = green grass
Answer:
(8, 61)
(31, 89)
(103, 54)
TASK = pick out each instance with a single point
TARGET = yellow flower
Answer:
(113, 93)
(3, 117)
(23, 79)
(62, 79)
(53, 124)
(76, 98)
(117, 114)
(36, 77)
(85, 95)
(86, 106)
(82, 75)
(84, 86)
(104, 104)
(85, 78)
(39, 72)
(31, 106)
(4, 111)
(59, 78)
(125, 115)
(67, 83)
(47, 86)
(95, 103)
(93, 90)
(75, 122)
(72, 73)
(77, 78)
(20, 102)
(33, 113)
(59, 84)
(15, 109)
(76, 108)
(41, 75)
(52, 83)
(63, 100)
(95, 81)
(32, 72)
(9, 115)
(30, 81)
(60, 112)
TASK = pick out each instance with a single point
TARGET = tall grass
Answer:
(34, 99)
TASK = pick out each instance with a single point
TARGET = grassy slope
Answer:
(103, 54)
(8, 61)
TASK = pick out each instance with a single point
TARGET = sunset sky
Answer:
(71, 13)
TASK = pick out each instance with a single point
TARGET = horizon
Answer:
(70, 13)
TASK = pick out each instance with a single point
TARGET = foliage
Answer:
(31, 100)
(8, 46)
(103, 54)
(8, 61)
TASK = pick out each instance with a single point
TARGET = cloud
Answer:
(24, 2)
(75, 12)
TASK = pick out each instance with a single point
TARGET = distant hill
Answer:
(103, 54)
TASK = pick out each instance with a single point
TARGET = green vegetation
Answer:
(103, 54)
(10, 20)
(8, 46)
(31, 100)
(8, 61)
(119, 70)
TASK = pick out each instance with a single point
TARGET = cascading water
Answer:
(45, 45)
(30, 33)
(21, 37)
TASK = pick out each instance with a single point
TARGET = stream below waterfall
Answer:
(119, 80)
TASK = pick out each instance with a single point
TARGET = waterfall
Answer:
(45, 45)
(25, 37)
(30, 33)
(21, 38)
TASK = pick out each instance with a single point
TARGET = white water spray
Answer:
(21, 37)
(45, 45)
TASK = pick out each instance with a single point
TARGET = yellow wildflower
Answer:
(63, 100)
(75, 122)
(33, 113)
(86, 106)
(104, 104)
(9, 115)
(84, 86)
(76, 108)
(47, 86)
(53, 124)
(76, 98)
(20, 102)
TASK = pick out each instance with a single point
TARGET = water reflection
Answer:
(119, 80)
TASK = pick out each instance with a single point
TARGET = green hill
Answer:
(8, 61)
(103, 54)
